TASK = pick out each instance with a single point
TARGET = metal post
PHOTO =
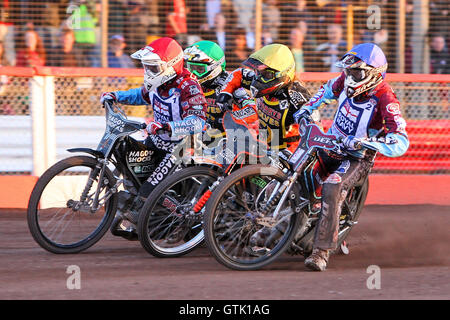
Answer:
(258, 24)
(420, 49)
(104, 33)
(349, 27)
(401, 32)
(43, 123)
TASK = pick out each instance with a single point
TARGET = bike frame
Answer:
(117, 128)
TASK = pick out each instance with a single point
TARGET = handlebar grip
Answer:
(143, 126)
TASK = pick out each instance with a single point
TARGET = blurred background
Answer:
(37, 107)
(413, 33)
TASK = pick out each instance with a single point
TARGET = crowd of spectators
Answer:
(67, 33)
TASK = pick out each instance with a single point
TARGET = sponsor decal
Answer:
(297, 98)
(161, 110)
(348, 118)
(162, 170)
(343, 167)
(140, 156)
(393, 108)
(334, 179)
(193, 90)
(197, 113)
(161, 144)
(268, 115)
(169, 205)
(284, 104)
(258, 181)
(297, 155)
(323, 140)
(197, 107)
(196, 100)
(243, 113)
(317, 96)
(187, 127)
(115, 123)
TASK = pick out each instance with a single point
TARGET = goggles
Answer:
(153, 69)
(357, 74)
(199, 69)
(266, 75)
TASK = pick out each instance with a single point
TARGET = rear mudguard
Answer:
(198, 160)
(92, 152)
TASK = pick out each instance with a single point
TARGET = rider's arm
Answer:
(240, 77)
(327, 94)
(193, 108)
(394, 142)
(134, 96)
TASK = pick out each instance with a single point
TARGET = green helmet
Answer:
(205, 59)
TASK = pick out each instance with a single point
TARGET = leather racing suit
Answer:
(181, 105)
(275, 111)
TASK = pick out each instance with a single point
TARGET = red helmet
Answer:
(162, 60)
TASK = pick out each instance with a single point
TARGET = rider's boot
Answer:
(318, 259)
(259, 238)
(126, 220)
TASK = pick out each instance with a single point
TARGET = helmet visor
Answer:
(199, 69)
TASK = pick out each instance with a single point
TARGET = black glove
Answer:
(224, 101)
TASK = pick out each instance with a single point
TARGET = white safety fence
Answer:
(17, 154)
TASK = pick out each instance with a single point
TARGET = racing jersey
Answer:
(275, 111)
(214, 114)
(374, 115)
(180, 103)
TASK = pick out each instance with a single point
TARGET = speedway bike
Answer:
(75, 201)
(259, 212)
(170, 222)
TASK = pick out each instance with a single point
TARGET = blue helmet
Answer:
(364, 66)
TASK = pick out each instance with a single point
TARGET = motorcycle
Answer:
(75, 201)
(170, 222)
(275, 205)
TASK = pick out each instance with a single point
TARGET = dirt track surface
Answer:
(410, 244)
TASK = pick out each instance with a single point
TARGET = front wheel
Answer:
(168, 224)
(61, 214)
(238, 232)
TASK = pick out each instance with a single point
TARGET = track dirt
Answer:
(410, 245)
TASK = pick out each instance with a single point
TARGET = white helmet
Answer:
(162, 60)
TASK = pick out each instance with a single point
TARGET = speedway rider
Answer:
(206, 60)
(368, 119)
(179, 109)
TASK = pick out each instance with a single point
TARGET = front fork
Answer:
(99, 171)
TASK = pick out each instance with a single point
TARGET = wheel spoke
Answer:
(58, 227)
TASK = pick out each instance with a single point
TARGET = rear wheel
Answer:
(63, 220)
(237, 231)
(168, 225)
